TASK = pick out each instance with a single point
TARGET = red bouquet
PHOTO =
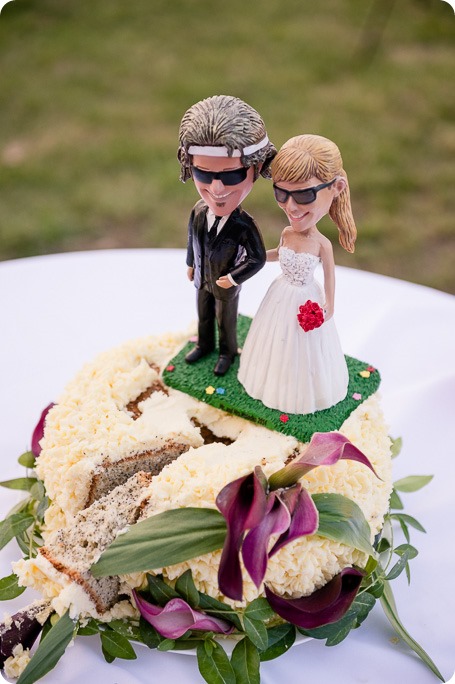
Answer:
(310, 316)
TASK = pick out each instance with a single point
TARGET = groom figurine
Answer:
(223, 147)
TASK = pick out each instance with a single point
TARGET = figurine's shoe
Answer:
(223, 364)
(195, 354)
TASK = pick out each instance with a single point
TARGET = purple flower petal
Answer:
(304, 516)
(38, 432)
(325, 448)
(323, 606)
(177, 617)
(243, 504)
(255, 546)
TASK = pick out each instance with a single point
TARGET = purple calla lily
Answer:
(255, 510)
(304, 516)
(325, 448)
(38, 432)
(243, 504)
(323, 606)
(177, 617)
(276, 520)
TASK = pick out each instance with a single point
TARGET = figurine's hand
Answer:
(328, 313)
(190, 273)
(224, 282)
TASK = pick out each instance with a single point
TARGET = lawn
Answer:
(92, 94)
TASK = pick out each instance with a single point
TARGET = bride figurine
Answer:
(292, 358)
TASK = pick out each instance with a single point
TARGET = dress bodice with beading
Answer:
(298, 267)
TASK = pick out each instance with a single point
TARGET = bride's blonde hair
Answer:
(305, 156)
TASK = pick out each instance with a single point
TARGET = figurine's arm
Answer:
(255, 253)
(189, 249)
(328, 265)
(273, 254)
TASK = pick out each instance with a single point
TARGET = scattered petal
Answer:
(209, 389)
(357, 396)
(284, 418)
(177, 617)
(193, 338)
(170, 368)
(38, 432)
(323, 606)
(372, 369)
(365, 373)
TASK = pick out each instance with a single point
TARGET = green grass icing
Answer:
(229, 395)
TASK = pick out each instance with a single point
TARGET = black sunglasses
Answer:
(305, 196)
(232, 177)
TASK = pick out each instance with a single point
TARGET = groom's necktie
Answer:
(214, 229)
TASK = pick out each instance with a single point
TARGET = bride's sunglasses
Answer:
(305, 196)
(232, 177)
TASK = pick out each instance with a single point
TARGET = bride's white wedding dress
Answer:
(281, 364)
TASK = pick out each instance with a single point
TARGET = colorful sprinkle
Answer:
(220, 390)
(372, 369)
(356, 396)
(170, 368)
(284, 418)
(365, 373)
(209, 389)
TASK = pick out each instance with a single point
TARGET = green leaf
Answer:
(187, 589)
(149, 636)
(107, 656)
(341, 520)
(259, 609)
(126, 629)
(388, 604)
(15, 525)
(164, 539)
(9, 588)
(49, 651)
(396, 446)
(37, 491)
(245, 662)
(22, 483)
(217, 609)
(412, 483)
(166, 645)
(160, 591)
(410, 550)
(395, 501)
(116, 645)
(405, 555)
(27, 459)
(89, 629)
(215, 667)
(377, 588)
(186, 644)
(280, 640)
(341, 635)
(256, 632)
(383, 545)
(409, 520)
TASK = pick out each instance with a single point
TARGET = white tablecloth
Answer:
(59, 311)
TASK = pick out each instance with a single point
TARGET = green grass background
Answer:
(92, 94)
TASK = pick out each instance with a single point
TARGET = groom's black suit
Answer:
(237, 250)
